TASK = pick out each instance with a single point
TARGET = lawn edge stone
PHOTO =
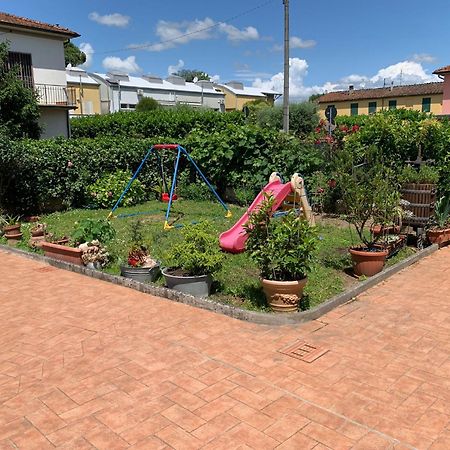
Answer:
(273, 319)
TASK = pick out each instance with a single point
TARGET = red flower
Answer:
(355, 128)
(332, 183)
(318, 129)
(133, 262)
(344, 128)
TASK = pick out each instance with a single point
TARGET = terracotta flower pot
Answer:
(62, 253)
(11, 229)
(367, 263)
(439, 237)
(13, 238)
(378, 229)
(284, 296)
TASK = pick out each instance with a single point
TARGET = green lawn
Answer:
(237, 283)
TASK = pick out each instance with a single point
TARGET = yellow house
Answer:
(425, 97)
(87, 92)
(237, 95)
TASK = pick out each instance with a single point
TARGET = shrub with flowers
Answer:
(338, 136)
(107, 189)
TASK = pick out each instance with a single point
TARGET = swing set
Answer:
(181, 151)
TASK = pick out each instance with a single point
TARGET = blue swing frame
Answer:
(180, 151)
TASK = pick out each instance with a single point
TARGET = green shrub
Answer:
(147, 104)
(107, 189)
(283, 248)
(198, 253)
(88, 230)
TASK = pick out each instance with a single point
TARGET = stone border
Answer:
(232, 311)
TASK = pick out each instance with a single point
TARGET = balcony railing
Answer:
(51, 95)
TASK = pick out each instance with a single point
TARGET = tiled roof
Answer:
(22, 22)
(384, 92)
(442, 70)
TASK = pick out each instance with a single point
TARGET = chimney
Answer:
(351, 87)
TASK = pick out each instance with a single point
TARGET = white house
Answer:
(37, 50)
(122, 92)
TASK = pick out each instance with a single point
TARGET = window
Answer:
(21, 62)
(354, 109)
(426, 104)
(372, 107)
(392, 104)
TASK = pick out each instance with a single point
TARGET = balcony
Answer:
(52, 95)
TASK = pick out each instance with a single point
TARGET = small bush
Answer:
(147, 104)
(107, 189)
(88, 230)
(198, 253)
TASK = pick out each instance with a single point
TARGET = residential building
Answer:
(122, 92)
(37, 50)
(444, 73)
(237, 95)
(87, 92)
(425, 97)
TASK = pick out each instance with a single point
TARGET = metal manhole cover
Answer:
(304, 351)
(45, 269)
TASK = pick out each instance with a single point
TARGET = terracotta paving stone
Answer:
(106, 367)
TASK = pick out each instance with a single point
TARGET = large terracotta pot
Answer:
(284, 296)
(439, 237)
(12, 229)
(367, 263)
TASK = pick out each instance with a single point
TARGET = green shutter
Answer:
(372, 107)
(392, 104)
(426, 104)
(354, 109)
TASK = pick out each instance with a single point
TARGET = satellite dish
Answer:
(195, 79)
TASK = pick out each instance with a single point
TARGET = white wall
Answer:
(47, 55)
(54, 121)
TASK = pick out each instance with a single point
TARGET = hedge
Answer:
(46, 174)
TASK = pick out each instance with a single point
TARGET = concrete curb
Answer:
(237, 313)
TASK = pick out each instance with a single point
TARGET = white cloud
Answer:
(127, 65)
(215, 78)
(172, 34)
(88, 50)
(295, 42)
(424, 57)
(111, 20)
(235, 34)
(176, 68)
(405, 72)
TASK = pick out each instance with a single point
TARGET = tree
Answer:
(313, 98)
(19, 109)
(147, 104)
(190, 74)
(73, 55)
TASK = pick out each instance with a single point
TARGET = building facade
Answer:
(87, 92)
(36, 49)
(427, 97)
(237, 95)
(122, 92)
(444, 73)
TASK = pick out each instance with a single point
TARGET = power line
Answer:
(201, 30)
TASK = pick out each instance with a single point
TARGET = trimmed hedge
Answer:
(176, 122)
(55, 173)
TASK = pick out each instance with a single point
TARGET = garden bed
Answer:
(237, 283)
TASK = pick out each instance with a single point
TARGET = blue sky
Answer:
(333, 44)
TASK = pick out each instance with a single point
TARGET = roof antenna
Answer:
(401, 77)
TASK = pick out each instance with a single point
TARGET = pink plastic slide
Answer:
(233, 240)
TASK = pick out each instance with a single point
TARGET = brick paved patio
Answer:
(85, 364)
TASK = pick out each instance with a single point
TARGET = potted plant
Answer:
(87, 230)
(439, 231)
(38, 235)
(193, 260)
(369, 195)
(12, 229)
(283, 249)
(141, 266)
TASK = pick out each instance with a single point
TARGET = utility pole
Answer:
(286, 68)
